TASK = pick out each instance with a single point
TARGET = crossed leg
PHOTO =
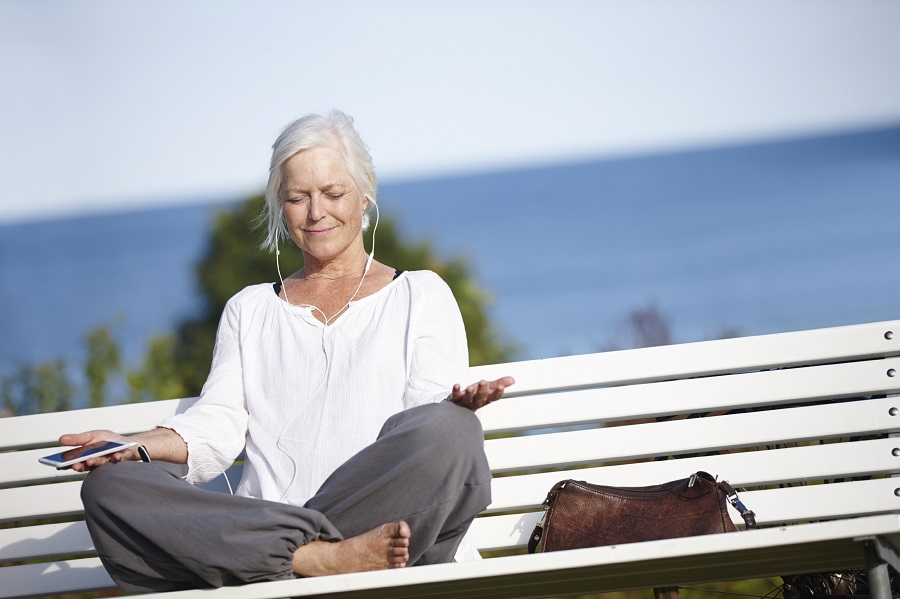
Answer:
(407, 498)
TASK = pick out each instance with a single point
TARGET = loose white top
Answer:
(303, 398)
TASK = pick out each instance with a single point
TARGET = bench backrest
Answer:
(781, 415)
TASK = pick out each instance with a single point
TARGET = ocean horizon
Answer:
(752, 239)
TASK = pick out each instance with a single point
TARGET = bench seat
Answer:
(805, 422)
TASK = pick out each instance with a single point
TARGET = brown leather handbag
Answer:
(579, 514)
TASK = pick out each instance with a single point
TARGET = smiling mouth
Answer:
(319, 231)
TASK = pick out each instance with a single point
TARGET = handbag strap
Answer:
(748, 515)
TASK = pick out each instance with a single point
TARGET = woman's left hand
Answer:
(477, 395)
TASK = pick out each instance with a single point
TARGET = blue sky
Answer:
(113, 105)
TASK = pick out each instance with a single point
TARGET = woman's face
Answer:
(323, 207)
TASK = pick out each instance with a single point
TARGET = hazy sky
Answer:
(119, 104)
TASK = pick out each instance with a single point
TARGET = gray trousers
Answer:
(155, 532)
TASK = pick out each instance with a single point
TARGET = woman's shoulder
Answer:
(426, 280)
(428, 287)
(251, 295)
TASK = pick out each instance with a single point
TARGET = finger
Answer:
(76, 438)
(98, 461)
(498, 390)
(455, 394)
(466, 397)
(500, 386)
(485, 390)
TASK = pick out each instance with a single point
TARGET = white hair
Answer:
(313, 131)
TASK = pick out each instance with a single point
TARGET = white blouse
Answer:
(302, 398)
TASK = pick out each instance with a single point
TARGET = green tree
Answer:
(232, 261)
(157, 377)
(104, 361)
(35, 389)
(48, 386)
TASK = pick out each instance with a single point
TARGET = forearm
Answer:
(163, 444)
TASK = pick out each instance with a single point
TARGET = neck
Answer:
(338, 268)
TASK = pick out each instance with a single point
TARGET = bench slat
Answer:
(22, 468)
(37, 430)
(19, 468)
(44, 541)
(743, 469)
(754, 389)
(820, 346)
(692, 435)
(41, 501)
(63, 499)
(772, 506)
(54, 578)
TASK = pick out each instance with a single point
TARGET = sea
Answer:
(739, 240)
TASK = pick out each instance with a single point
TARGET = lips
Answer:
(320, 231)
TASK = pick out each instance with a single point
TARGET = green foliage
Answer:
(48, 387)
(37, 389)
(232, 261)
(486, 345)
(104, 361)
(157, 378)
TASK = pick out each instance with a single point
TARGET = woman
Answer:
(341, 383)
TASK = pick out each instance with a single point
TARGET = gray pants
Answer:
(155, 532)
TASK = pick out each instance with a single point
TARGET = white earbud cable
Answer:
(279, 443)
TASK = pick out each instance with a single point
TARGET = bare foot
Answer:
(379, 549)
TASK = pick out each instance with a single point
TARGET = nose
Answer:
(316, 208)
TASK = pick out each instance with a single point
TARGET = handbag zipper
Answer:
(539, 527)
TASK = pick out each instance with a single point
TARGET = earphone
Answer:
(327, 320)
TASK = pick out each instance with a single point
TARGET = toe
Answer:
(403, 529)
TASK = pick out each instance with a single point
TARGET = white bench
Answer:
(807, 433)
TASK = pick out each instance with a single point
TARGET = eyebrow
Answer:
(328, 187)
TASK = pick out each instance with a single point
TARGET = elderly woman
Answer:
(342, 385)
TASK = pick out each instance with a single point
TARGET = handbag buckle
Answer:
(749, 516)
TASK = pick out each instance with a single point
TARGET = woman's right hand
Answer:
(81, 439)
